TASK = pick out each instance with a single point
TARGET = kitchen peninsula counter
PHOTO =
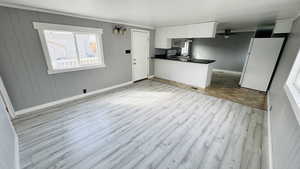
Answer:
(194, 72)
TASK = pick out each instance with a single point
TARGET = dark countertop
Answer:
(200, 61)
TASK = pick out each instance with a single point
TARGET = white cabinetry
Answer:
(163, 35)
(161, 39)
(194, 74)
(204, 30)
(283, 26)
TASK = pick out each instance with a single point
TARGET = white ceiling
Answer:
(236, 14)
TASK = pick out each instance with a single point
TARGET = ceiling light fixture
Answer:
(119, 30)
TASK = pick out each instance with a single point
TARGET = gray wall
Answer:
(23, 67)
(229, 53)
(285, 129)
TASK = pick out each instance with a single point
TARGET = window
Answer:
(70, 48)
(292, 87)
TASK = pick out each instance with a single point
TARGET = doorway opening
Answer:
(225, 84)
(230, 52)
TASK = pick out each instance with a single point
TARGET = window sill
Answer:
(291, 93)
(75, 69)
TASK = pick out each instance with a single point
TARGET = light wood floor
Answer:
(148, 125)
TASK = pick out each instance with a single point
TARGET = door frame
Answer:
(6, 99)
(148, 56)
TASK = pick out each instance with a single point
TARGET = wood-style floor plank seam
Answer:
(148, 125)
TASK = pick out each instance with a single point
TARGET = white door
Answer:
(140, 54)
(261, 62)
(246, 61)
(9, 154)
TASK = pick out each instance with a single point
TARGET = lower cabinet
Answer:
(193, 74)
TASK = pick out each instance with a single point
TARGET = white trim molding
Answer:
(293, 97)
(228, 71)
(69, 99)
(75, 30)
(17, 152)
(292, 88)
(150, 76)
(42, 25)
(6, 99)
(140, 30)
(30, 8)
(269, 141)
(76, 69)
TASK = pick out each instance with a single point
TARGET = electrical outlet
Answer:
(84, 90)
(128, 51)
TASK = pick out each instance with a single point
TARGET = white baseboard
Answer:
(270, 151)
(17, 154)
(69, 99)
(227, 71)
(150, 76)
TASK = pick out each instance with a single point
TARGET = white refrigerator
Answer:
(260, 62)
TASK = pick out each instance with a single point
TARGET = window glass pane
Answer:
(61, 47)
(87, 48)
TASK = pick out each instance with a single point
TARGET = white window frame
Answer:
(291, 90)
(41, 27)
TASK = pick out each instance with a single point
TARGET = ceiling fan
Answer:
(227, 33)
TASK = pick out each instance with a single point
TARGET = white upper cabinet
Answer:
(178, 32)
(283, 26)
(163, 35)
(204, 30)
(161, 39)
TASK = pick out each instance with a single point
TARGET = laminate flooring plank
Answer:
(147, 125)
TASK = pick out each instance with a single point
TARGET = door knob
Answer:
(134, 63)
